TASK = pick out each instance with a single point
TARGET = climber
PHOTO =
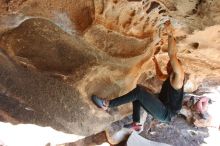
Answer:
(170, 96)
(169, 100)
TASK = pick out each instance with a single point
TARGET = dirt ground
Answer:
(177, 133)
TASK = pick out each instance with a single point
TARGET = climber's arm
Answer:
(159, 73)
(177, 76)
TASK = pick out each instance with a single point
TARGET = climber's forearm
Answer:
(159, 73)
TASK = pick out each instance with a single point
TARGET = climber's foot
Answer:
(100, 103)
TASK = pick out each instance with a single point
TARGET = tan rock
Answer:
(55, 54)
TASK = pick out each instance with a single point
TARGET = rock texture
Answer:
(55, 54)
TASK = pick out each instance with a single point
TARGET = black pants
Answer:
(139, 97)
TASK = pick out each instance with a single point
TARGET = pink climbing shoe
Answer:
(134, 126)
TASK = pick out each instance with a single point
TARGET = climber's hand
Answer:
(168, 27)
(154, 59)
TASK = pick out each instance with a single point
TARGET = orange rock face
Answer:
(55, 54)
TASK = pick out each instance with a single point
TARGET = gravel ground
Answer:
(177, 133)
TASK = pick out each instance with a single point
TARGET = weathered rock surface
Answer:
(55, 54)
